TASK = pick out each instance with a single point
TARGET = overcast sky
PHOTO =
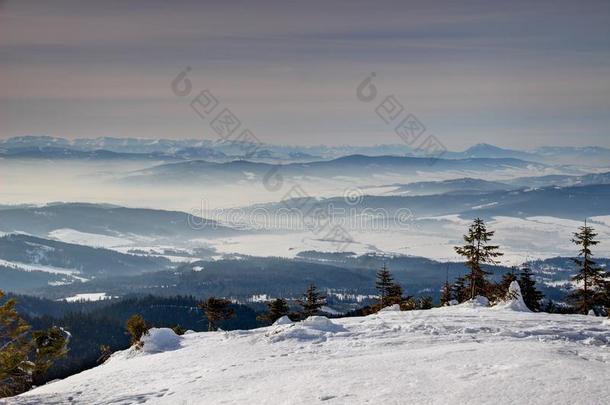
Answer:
(508, 73)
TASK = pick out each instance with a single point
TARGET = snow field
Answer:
(465, 353)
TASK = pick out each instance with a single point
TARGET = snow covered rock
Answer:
(478, 301)
(591, 313)
(322, 324)
(391, 308)
(159, 340)
(514, 301)
(283, 321)
(313, 329)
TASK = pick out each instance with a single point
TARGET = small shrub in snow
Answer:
(136, 327)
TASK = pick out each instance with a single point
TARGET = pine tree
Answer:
(312, 302)
(49, 346)
(15, 369)
(383, 284)
(216, 310)
(276, 309)
(459, 290)
(446, 294)
(394, 294)
(425, 303)
(19, 346)
(589, 275)
(507, 279)
(477, 252)
(531, 296)
(498, 291)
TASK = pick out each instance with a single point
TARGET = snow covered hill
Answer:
(460, 354)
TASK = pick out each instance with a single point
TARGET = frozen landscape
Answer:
(322, 202)
(466, 353)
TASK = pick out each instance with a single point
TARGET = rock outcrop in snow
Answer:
(391, 308)
(283, 321)
(478, 301)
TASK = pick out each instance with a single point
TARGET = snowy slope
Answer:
(460, 354)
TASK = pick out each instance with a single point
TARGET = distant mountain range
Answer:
(574, 202)
(471, 185)
(354, 166)
(87, 261)
(217, 151)
(110, 220)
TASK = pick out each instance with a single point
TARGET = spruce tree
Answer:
(276, 309)
(49, 345)
(312, 302)
(383, 284)
(15, 369)
(498, 291)
(394, 294)
(459, 290)
(24, 355)
(446, 294)
(531, 295)
(477, 251)
(216, 310)
(424, 303)
(590, 277)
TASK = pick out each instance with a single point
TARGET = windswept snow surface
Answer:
(459, 354)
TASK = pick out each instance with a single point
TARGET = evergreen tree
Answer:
(383, 284)
(136, 327)
(49, 345)
(498, 291)
(425, 303)
(312, 302)
(276, 309)
(15, 369)
(216, 310)
(446, 294)
(507, 279)
(589, 276)
(394, 294)
(531, 295)
(18, 347)
(459, 290)
(477, 252)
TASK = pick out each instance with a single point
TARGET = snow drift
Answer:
(160, 340)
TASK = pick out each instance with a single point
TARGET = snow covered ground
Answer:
(431, 237)
(460, 354)
(88, 297)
